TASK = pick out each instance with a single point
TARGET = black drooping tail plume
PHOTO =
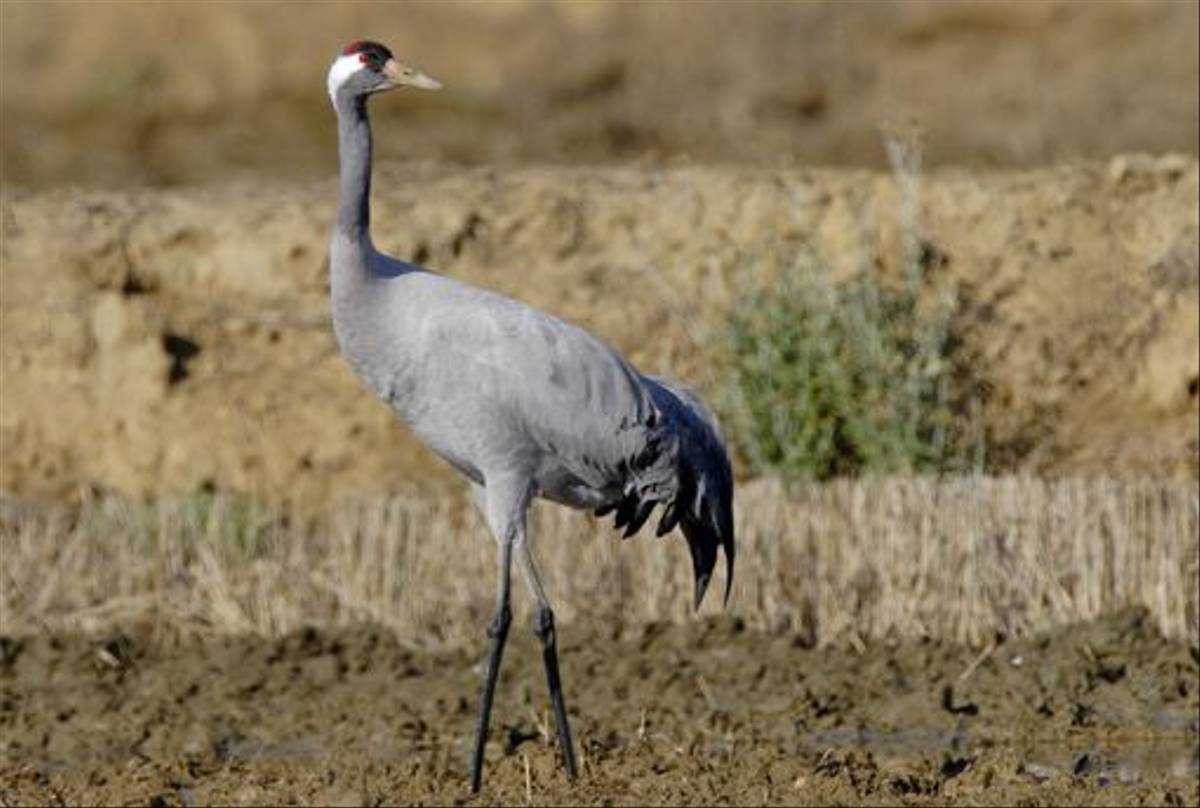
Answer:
(701, 499)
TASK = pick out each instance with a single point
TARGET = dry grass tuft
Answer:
(961, 559)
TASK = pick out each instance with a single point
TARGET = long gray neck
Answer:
(354, 148)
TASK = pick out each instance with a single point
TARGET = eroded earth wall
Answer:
(165, 340)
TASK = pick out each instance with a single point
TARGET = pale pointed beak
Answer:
(404, 76)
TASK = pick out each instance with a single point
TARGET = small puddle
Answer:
(1124, 760)
(1118, 761)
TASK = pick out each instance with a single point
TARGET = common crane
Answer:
(521, 403)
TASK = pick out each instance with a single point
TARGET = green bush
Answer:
(819, 379)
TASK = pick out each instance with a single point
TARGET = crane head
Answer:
(364, 67)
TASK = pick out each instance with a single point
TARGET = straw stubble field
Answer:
(972, 560)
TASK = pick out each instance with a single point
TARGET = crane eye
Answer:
(371, 60)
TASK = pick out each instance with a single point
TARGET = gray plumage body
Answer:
(494, 387)
(501, 390)
(521, 403)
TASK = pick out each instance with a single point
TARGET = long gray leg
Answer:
(543, 627)
(497, 633)
(504, 501)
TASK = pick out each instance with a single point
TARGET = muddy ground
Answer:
(704, 713)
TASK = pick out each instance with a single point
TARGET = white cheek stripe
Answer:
(343, 67)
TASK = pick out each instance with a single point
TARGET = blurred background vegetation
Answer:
(120, 93)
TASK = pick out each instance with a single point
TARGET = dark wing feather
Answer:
(644, 508)
(683, 466)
